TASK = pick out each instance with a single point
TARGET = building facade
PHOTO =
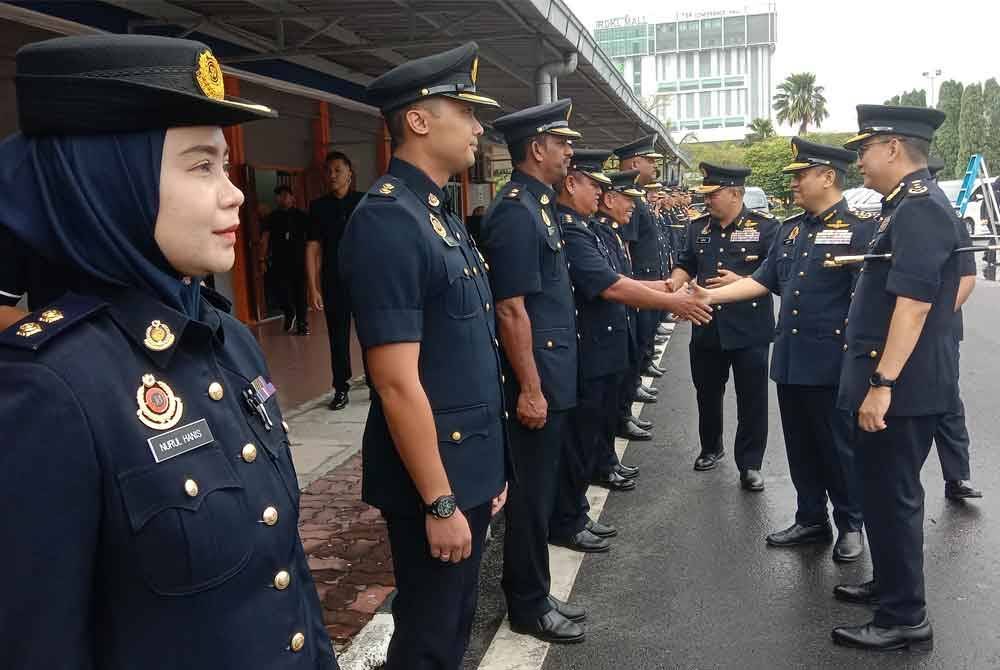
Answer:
(707, 73)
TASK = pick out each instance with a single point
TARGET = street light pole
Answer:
(932, 75)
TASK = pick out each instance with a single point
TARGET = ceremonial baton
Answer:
(839, 261)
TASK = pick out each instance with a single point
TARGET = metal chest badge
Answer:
(159, 408)
(158, 336)
(438, 227)
(433, 200)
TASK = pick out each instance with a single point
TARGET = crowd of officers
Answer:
(502, 367)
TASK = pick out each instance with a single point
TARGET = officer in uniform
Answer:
(900, 371)
(522, 241)
(724, 245)
(149, 453)
(952, 435)
(602, 293)
(809, 344)
(434, 448)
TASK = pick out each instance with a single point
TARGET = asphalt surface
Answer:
(690, 583)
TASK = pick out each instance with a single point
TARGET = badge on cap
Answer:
(475, 69)
(158, 336)
(209, 76)
(159, 408)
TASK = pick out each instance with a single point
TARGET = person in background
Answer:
(283, 241)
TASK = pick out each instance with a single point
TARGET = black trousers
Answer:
(291, 290)
(952, 440)
(710, 372)
(530, 501)
(889, 464)
(819, 443)
(647, 321)
(435, 601)
(591, 436)
(337, 306)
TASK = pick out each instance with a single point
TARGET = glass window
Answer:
(711, 33)
(758, 29)
(689, 106)
(687, 35)
(735, 31)
(705, 64)
(729, 103)
(666, 36)
(706, 104)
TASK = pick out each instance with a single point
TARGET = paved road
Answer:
(690, 583)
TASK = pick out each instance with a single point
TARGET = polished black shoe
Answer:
(630, 431)
(550, 627)
(918, 638)
(627, 471)
(858, 594)
(652, 372)
(340, 401)
(571, 612)
(651, 390)
(850, 546)
(642, 423)
(585, 542)
(752, 480)
(601, 530)
(960, 490)
(795, 535)
(642, 396)
(662, 330)
(615, 482)
(708, 461)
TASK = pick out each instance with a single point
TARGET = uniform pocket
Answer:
(458, 425)
(462, 297)
(190, 521)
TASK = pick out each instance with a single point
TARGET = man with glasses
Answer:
(900, 372)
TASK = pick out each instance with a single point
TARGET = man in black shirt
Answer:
(329, 216)
(284, 237)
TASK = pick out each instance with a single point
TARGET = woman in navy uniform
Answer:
(809, 342)
(434, 444)
(147, 452)
(900, 371)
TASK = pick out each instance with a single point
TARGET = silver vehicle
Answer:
(754, 198)
(863, 199)
(975, 218)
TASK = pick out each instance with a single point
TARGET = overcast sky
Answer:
(862, 51)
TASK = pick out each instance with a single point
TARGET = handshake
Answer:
(689, 302)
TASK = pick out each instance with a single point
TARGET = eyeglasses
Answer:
(863, 149)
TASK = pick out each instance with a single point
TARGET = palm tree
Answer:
(799, 100)
(760, 129)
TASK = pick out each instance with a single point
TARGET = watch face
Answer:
(446, 506)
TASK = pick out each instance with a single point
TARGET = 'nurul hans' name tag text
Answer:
(180, 440)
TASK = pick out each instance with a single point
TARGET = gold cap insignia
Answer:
(50, 316)
(795, 151)
(28, 329)
(159, 408)
(158, 336)
(438, 227)
(209, 76)
(544, 199)
(433, 200)
(386, 188)
(475, 69)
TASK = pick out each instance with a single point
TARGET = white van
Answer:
(754, 198)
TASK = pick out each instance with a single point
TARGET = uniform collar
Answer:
(156, 328)
(417, 181)
(739, 220)
(828, 214)
(566, 209)
(604, 219)
(537, 188)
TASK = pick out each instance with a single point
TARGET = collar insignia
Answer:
(158, 336)
(50, 316)
(544, 199)
(433, 200)
(28, 329)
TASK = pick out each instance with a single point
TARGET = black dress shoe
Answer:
(340, 401)
(642, 396)
(601, 530)
(858, 594)
(615, 482)
(571, 612)
(708, 461)
(878, 638)
(960, 490)
(795, 535)
(627, 471)
(584, 542)
(630, 431)
(651, 390)
(550, 627)
(752, 480)
(651, 372)
(850, 546)
(642, 423)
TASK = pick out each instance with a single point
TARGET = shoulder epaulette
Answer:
(567, 218)
(42, 326)
(767, 216)
(513, 190)
(862, 214)
(917, 188)
(699, 218)
(385, 187)
(794, 217)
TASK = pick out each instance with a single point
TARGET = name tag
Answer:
(703, 240)
(834, 237)
(180, 440)
(745, 235)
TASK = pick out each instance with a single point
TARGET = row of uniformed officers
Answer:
(151, 452)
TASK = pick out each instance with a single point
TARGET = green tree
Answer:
(971, 125)
(991, 102)
(760, 129)
(946, 137)
(766, 159)
(894, 100)
(914, 98)
(799, 100)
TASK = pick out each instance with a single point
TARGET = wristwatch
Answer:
(443, 507)
(877, 380)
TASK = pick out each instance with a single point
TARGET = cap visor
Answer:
(795, 167)
(706, 188)
(856, 140)
(652, 186)
(634, 192)
(653, 155)
(599, 177)
(564, 132)
(473, 98)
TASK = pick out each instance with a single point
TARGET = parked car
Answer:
(754, 198)
(863, 199)
(975, 212)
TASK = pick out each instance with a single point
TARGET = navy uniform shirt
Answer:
(523, 243)
(610, 232)
(809, 339)
(645, 248)
(604, 325)
(157, 513)
(918, 228)
(415, 276)
(741, 248)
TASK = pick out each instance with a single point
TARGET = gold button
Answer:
(721, 249)
(802, 274)
(298, 641)
(270, 516)
(845, 347)
(718, 308)
(549, 344)
(784, 255)
(723, 234)
(797, 293)
(753, 304)
(503, 379)
(852, 294)
(872, 354)
(795, 312)
(804, 254)
(558, 245)
(743, 250)
(282, 580)
(845, 322)
(215, 391)
(487, 307)
(828, 255)
(456, 436)
(809, 235)
(719, 264)
(610, 329)
(795, 331)
(475, 271)
(249, 453)
(487, 266)
(467, 273)
(191, 488)
(837, 332)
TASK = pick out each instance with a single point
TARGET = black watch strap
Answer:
(877, 380)
(443, 508)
